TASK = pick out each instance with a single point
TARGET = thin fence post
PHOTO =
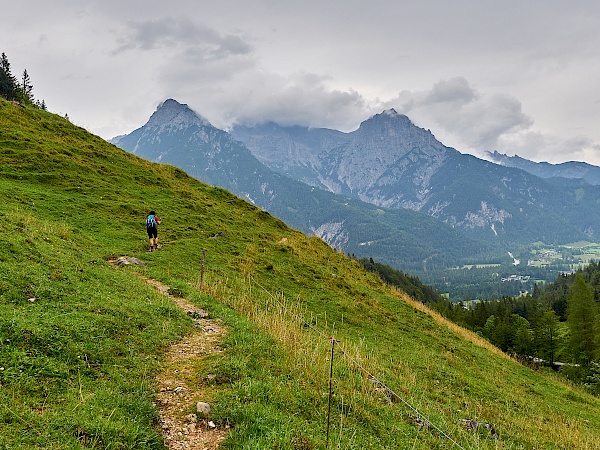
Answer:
(202, 268)
(332, 340)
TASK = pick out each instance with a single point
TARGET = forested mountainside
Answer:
(557, 325)
(390, 162)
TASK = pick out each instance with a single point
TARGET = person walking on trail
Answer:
(152, 222)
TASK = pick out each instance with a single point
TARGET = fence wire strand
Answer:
(372, 377)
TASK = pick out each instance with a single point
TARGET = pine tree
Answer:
(13, 89)
(546, 336)
(582, 316)
(8, 83)
(523, 339)
(26, 87)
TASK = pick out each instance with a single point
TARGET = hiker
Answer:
(152, 222)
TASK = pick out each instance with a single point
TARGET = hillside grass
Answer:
(81, 340)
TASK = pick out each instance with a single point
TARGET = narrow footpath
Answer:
(181, 395)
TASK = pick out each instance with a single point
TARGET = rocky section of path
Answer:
(182, 396)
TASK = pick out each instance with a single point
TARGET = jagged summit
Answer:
(390, 123)
(175, 114)
(388, 115)
(501, 158)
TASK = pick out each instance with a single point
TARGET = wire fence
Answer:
(390, 393)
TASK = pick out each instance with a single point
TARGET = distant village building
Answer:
(521, 278)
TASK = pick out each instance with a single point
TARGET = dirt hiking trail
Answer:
(180, 389)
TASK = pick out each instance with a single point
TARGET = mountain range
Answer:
(570, 169)
(390, 162)
(389, 189)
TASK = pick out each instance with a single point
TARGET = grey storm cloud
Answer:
(251, 95)
(195, 39)
(475, 73)
(477, 122)
(301, 99)
(455, 107)
(545, 146)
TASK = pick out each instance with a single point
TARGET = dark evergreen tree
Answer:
(13, 89)
(8, 83)
(26, 87)
(545, 335)
(523, 337)
(581, 318)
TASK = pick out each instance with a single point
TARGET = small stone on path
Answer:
(203, 408)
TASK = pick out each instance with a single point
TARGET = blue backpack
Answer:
(150, 221)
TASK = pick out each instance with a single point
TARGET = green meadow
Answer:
(82, 340)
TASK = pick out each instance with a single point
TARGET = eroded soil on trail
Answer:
(180, 389)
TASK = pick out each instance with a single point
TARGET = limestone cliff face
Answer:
(387, 161)
(384, 149)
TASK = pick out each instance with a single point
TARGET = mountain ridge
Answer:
(407, 167)
(388, 163)
(355, 227)
(328, 171)
(568, 170)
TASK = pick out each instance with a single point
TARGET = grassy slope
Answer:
(81, 340)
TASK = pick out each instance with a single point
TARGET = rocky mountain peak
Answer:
(387, 117)
(171, 113)
(392, 112)
(395, 134)
(390, 124)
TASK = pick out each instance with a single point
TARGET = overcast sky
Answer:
(521, 77)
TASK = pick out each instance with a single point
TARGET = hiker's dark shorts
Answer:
(152, 232)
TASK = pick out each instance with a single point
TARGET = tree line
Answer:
(19, 90)
(558, 325)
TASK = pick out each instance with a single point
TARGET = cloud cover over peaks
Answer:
(517, 77)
